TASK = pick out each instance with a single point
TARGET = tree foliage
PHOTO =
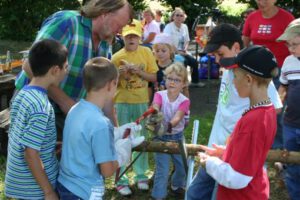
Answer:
(200, 9)
(138, 4)
(193, 8)
(21, 19)
(290, 5)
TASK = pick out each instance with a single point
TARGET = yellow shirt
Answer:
(135, 89)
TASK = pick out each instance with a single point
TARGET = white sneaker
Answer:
(124, 190)
(143, 185)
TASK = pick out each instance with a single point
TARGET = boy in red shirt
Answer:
(239, 167)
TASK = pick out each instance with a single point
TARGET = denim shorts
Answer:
(65, 194)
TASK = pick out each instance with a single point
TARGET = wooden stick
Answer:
(192, 149)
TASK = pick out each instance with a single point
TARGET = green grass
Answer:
(2, 175)
(205, 124)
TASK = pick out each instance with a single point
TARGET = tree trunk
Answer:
(173, 148)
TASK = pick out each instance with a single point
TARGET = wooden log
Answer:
(173, 148)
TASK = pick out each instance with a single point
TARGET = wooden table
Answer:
(7, 83)
(7, 87)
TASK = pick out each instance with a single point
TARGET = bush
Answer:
(21, 19)
(232, 11)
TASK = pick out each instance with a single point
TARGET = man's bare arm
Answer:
(60, 98)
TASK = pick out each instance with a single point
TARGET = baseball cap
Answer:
(257, 60)
(221, 34)
(291, 31)
(163, 38)
(134, 28)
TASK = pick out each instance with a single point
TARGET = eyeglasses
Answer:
(292, 45)
(179, 15)
(175, 80)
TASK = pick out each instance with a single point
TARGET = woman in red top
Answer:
(265, 25)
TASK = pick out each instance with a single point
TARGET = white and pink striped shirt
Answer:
(169, 108)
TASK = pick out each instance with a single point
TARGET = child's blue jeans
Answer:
(291, 141)
(201, 187)
(162, 168)
(65, 194)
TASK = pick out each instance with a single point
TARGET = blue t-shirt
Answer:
(87, 142)
(32, 125)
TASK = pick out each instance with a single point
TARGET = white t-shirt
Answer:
(230, 108)
(180, 36)
(152, 27)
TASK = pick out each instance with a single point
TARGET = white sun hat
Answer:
(163, 38)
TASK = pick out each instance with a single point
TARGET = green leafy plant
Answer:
(21, 19)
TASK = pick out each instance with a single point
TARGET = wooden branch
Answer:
(173, 148)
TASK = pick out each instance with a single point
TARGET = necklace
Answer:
(259, 104)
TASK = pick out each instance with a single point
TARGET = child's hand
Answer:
(154, 125)
(123, 69)
(203, 158)
(135, 69)
(216, 151)
(124, 72)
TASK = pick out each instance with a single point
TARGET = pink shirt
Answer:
(169, 109)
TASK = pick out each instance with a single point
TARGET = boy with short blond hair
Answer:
(32, 166)
(238, 168)
(91, 152)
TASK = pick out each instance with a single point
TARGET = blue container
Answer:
(203, 69)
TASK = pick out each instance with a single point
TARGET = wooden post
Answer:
(173, 148)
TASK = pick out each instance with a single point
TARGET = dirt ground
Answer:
(204, 99)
